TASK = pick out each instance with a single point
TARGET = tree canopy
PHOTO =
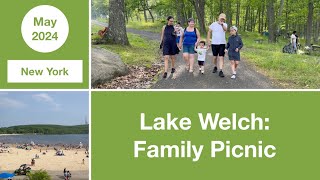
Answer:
(278, 17)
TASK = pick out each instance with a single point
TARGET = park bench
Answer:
(259, 41)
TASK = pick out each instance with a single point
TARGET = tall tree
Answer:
(238, 13)
(309, 22)
(117, 24)
(180, 12)
(199, 6)
(271, 21)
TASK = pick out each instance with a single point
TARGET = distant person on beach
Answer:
(82, 161)
(68, 174)
(33, 162)
(169, 45)
(233, 48)
(189, 39)
(202, 52)
(217, 34)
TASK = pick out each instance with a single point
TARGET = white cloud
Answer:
(6, 102)
(45, 98)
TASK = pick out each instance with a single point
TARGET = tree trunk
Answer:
(238, 14)
(199, 6)
(180, 12)
(117, 25)
(229, 13)
(246, 18)
(287, 13)
(280, 13)
(309, 23)
(262, 16)
(259, 19)
(271, 21)
(212, 16)
(149, 10)
(145, 15)
(152, 18)
(221, 6)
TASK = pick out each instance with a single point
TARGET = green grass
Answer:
(140, 52)
(290, 70)
(146, 26)
(95, 28)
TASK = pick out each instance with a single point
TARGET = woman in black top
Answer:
(168, 43)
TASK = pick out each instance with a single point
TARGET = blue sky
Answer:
(62, 108)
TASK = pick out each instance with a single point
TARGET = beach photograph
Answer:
(44, 135)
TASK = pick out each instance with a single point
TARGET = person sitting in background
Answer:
(294, 40)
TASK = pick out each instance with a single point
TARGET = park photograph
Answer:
(44, 135)
(205, 44)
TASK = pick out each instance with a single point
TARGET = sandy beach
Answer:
(72, 161)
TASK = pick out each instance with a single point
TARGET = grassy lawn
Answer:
(291, 70)
(149, 26)
(141, 52)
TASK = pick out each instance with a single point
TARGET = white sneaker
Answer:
(202, 72)
(233, 76)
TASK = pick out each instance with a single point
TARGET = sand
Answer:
(49, 162)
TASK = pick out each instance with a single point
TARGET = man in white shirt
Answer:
(294, 40)
(217, 31)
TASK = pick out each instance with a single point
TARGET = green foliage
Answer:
(45, 129)
(146, 26)
(290, 70)
(99, 8)
(141, 52)
(39, 175)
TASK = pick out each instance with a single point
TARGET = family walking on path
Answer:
(175, 39)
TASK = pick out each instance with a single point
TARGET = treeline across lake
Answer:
(45, 129)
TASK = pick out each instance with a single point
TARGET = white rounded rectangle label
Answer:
(45, 71)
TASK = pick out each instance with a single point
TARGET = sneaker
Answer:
(202, 72)
(215, 70)
(221, 74)
(233, 76)
(165, 75)
(191, 71)
(200, 69)
(173, 70)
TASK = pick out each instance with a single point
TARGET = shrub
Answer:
(39, 175)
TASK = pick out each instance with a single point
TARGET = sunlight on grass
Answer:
(141, 52)
(146, 26)
(299, 71)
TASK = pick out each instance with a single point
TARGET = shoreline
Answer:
(12, 134)
(45, 139)
(74, 160)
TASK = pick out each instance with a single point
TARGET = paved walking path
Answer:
(248, 76)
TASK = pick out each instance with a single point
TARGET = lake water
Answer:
(74, 139)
